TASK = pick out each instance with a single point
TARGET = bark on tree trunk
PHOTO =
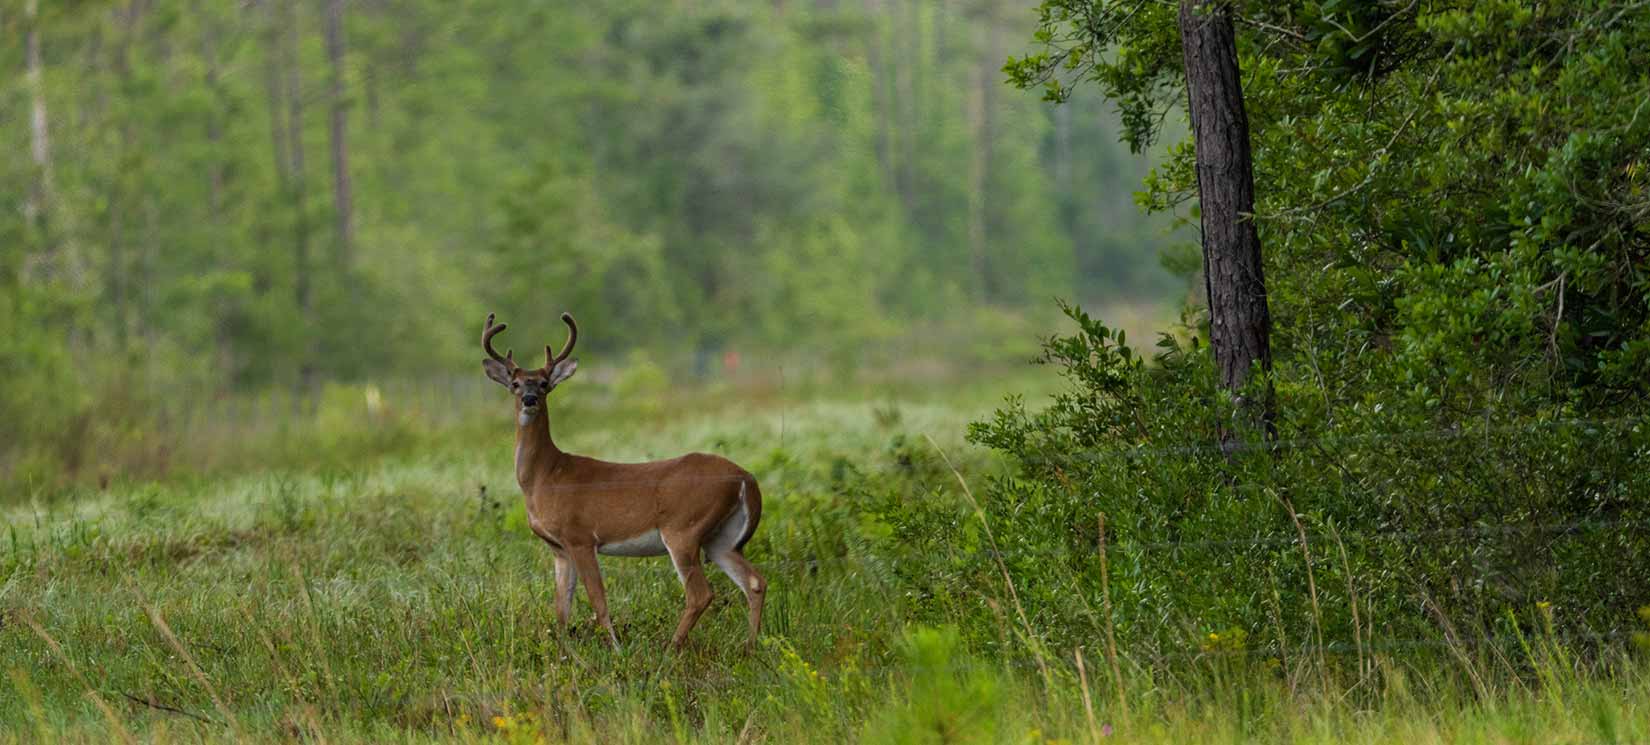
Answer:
(1239, 322)
(38, 204)
(214, 123)
(340, 146)
(39, 141)
(902, 64)
(984, 105)
(1065, 179)
(882, 105)
(295, 150)
(295, 140)
(277, 101)
(121, 203)
(286, 91)
(263, 279)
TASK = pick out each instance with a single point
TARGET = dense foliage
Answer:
(683, 176)
(1453, 198)
(1452, 201)
(1383, 535)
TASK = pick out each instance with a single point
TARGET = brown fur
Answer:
(580, 505)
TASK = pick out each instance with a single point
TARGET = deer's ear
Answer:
(497, 371)
(563, 371)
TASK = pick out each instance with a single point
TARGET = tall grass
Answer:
(402, 598)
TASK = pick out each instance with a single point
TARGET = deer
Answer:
(682, 507)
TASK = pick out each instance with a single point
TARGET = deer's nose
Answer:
(530, 400)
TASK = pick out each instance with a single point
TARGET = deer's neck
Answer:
(536, 454)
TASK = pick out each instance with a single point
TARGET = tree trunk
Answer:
(273, 62)
(1239, 322)
(263, 279)
(289, 141)
(983, 102)
(37, 205)
(214, 123)
(122, 203)
(340, 146)
(295, 169)
(919, 67)
(39, 141)
(1065, 181)
(882, 103)
(902, 62)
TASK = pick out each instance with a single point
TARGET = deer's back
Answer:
(633, 502)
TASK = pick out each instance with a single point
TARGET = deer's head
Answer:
(529, 386)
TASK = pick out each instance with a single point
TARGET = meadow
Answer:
(1384, 481)
(389, 590)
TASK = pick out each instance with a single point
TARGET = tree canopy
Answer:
(1452, 195)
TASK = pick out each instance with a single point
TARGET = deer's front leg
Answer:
(584, 565)
(567, 580)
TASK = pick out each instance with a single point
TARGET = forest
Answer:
(1112, 370)
(231, 197)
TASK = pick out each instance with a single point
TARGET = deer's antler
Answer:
(489, 331)
(572, 338)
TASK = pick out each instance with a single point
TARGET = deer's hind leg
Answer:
(744, 575)
(684, 553)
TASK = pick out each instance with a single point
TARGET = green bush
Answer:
(1417, 534)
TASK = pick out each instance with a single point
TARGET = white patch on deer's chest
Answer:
(646, 544)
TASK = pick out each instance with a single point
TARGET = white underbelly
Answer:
(646, 544)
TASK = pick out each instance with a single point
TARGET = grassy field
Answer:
(400, 597)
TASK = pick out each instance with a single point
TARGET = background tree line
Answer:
(211, 196)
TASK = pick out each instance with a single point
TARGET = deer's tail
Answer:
(750, 498)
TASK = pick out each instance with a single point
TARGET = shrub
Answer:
(1417, 533)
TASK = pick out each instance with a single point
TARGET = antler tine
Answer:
(572, 338)
(487, 333)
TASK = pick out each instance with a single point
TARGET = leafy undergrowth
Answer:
(407, 601)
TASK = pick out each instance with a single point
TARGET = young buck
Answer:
(583, 506)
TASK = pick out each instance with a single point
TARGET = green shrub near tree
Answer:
(1409, 528)
(1453, 207)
